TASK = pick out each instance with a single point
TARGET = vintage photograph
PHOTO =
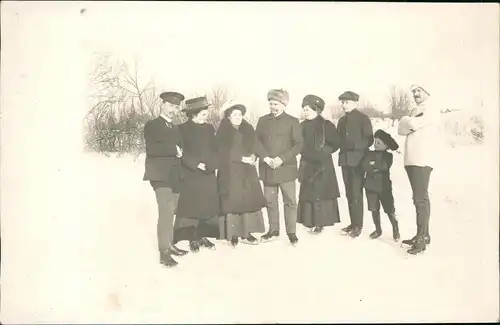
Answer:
(239, 162)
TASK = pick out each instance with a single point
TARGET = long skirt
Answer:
(318, 213)
(191, 229)
(241, 225)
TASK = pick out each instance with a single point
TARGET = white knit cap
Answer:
(415, 86)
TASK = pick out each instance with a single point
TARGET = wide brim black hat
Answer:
(197, 104)
(387, 139)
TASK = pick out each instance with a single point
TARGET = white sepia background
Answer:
(78, 228)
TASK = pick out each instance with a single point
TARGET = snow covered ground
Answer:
(110, 273)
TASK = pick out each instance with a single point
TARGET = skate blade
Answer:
(244, 241)
(268, 240)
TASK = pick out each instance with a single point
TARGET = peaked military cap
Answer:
(315, 102)
(172, 97)
(349, 95)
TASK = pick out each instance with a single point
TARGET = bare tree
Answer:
(399, 104)
(218, 97)
(369, 109)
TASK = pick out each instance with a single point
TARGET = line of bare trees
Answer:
(121, 104)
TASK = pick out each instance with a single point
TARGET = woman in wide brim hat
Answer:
(198, 206)
(319, 190)
(240, 192)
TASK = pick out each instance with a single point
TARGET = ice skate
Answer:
(418, 247)
(176, 251)
(270, 236)
(194, 246)
(356, 231)
(234, 241)
(347, 230)
(293, 239)
(317, 230)
(207, 243)
(167, 260)
(250, 240)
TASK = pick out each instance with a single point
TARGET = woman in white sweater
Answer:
(420, 129)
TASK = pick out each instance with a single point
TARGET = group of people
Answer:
(208, 179)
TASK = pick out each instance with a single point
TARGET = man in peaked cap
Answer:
(162, 170)
(356, 133)
(281, 138)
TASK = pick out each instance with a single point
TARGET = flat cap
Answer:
(172, 97)
(315, 102)
(349, 95)
(387, 139)
(279, 95)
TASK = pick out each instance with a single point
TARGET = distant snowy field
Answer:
(113, 276)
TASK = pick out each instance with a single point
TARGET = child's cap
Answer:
(387, 139)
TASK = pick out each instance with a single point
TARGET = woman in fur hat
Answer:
(240, 192)
(319, 190)
(198, 207)
(377, 184)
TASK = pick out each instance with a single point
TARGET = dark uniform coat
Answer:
(316, 173)
(356, 132)
(280, 136)
(198, 192)
(162, 167)
(377, 175)
(239, 187)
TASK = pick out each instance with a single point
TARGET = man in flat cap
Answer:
(281, 138)
(419, 157)
(356, 133)
(163, 151)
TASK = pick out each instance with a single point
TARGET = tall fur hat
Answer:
(279, 95)
(387, 139)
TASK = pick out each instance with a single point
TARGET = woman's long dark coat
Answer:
(239, 186)
(316, 172)
(198, 197)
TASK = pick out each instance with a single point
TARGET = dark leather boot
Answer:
(418, 246)
(234, 241)
(293, 239)
(270, 235)
(347, 230)
(376, 221)
(167, 260)
(356, 231)
(176, 251)
(395, 226)
(317, 230)
(207, 243)
(194, 246)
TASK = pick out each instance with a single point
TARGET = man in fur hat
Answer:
(281, 138)
(356, 133)
(163, 151)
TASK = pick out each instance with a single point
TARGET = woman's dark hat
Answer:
(315, 102)
(387, 139)
(196, 104)
(239, 107)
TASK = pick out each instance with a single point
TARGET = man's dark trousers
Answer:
(353, 182)
(419, 180)
(167, 204)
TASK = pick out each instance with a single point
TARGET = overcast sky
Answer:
(318, 48)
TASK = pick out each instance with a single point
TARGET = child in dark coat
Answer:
(377, 184)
